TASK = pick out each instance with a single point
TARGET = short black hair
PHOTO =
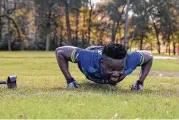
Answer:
(115, 50)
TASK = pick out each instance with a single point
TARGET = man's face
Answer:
(113, 68)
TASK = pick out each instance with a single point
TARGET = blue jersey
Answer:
(89, 63)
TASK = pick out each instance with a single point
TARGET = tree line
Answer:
(47, 24)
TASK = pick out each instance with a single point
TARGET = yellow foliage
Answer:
(24, 12)
(30, 15)
(20, 12)
(33, 28)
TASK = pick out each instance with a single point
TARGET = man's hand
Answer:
(73, 84)
(137, 86)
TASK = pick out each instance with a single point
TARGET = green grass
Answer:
(166, 65)
(41, 91)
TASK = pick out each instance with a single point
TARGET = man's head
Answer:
(113, 60)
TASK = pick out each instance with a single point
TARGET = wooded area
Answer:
(46, 24)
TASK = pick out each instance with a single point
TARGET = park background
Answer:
(46, 24)
(30, 31)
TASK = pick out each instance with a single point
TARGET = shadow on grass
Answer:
(106, 89)
(98, 88)
(89, 86)
(86, 87)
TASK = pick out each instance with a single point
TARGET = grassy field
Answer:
(42, 92)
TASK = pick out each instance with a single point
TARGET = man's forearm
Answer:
(146, 66)
(63, 55)
(63, 65)
(145, 69)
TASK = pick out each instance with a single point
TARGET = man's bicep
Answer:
(65, 51)
(147, 57)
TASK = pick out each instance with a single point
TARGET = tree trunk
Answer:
(0, 29)
(9, 37)
(68, 22)
(9, 43)
(151, 49)
(158, 44)
(47, 48)
(174, 48)
(89, 23)
(54, 40)
(0, 21)
(113, 37)
(83, 32)
(61, 36)
(76, 32)
(141, 42)
(169, 49)
(178, 49)
(83, 40)
(126, 24)
(37, 37)
(157, 36)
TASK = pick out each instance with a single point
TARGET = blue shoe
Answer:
(73, 84)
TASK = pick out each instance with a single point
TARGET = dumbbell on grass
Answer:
(10, 82)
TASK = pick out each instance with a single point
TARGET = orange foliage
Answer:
(30, 16)
(15, 35)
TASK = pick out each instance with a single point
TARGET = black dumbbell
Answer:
(11, 81)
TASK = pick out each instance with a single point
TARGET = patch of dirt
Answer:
(165, 74)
